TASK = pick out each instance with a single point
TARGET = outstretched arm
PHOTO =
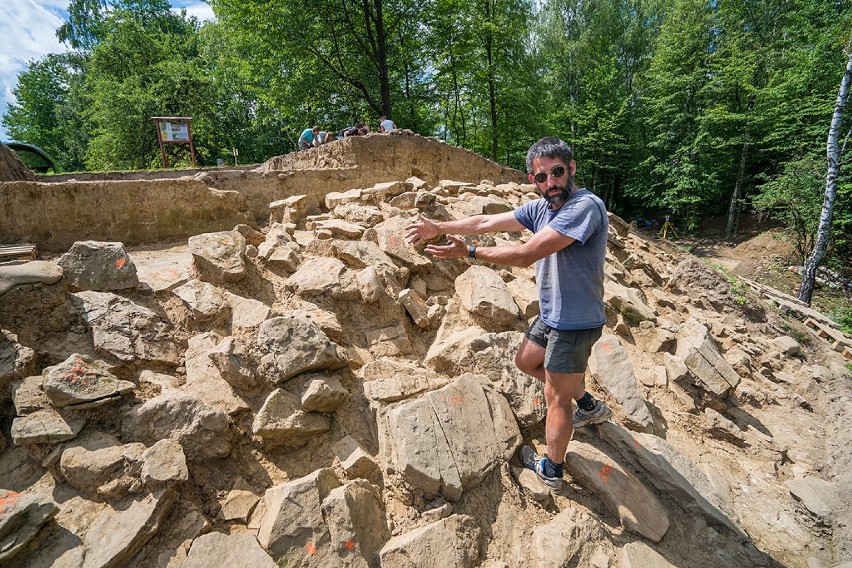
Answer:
(545, 242)
(426, 229)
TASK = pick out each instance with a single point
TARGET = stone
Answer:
(277, 255)
(202, 431)
(625, 497)
(335, 198)
(818, 496)
(354, 459)
(239, 503)
(33, 272)
(390, 380)
(219, 256)
(21, 517)
(450, 352)
(388, 341)
(628, 301)
(108, 471)
(364, 215)
(483, 292)
(416, 307)
(117, 534)
(206, 302)
(532, 484)
(787, 345)
(560, 542)
(390, 236)
(355, 516)
(720, 427)
(454, 541)
(640, 555)
(45, 426)
(323, 394)
(82, 382)
(370, 285)
(204, 378)
(28, 396)
(715, 379)
(493, 355)
(341, 229)
(247, 313)
(610, 365)
(525, 294)
(164, 463)
(671, 472)
(325, 320)
(281, 420)
(16, 361)
(233, 363)
(100, 266)
(430, 438)
(293, 526)
(323, 277)
(290, 345)
(127, 330)
(218, 549)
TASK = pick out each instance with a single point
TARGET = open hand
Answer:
(421, 231)
(456, 248)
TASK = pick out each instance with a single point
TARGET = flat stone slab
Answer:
(220, 256)
(33, 272)
(82, 382)
(21, 517)
(611, 367)
(625, 496)
(282, 420)
(291, 345)
(164, 270)
(45, 426)
(117, 534)
(454, 541)
(218, 549)
(817, 496)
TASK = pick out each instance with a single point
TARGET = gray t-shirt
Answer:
(570, 281)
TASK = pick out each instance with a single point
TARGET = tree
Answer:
(835, 151)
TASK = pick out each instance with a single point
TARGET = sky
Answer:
(28, 31)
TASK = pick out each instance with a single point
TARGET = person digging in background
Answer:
(308, 138)
(568, 248)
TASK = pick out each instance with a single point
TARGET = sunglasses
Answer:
(556, 172)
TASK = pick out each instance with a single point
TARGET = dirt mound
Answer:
(12, 168)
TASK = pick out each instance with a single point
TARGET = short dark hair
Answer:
(549, 147)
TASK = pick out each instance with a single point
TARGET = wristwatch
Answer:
(471, 252)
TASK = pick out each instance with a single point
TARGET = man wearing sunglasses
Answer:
(568, 248)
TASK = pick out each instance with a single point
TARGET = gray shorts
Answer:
(566, 351)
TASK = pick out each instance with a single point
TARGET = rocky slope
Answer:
(319, 393)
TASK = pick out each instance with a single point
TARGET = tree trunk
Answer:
(492, 88)
(834, 152)
(384, 79)
(731, 225)
(12, 168)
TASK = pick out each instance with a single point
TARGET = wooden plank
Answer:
(18, 252)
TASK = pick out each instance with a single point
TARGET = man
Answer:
(568, 248)
(308, 137)
(386, 124)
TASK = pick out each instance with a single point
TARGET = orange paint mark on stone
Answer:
(604, 472)
(8, 500)
(349, 544)
(636, 442)
(605, 347)
(456, 400)
(311, 548)
(120, 263)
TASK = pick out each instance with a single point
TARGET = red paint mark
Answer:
(636, 442)
(606, 347)
(604, 472)
(8, 500)
(120, 263)
(311, 548)
(77, 373)
(536, 402)
(349, 544)
(456, 400)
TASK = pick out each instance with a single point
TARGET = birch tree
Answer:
(835, 153)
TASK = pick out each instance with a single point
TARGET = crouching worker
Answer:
(568, 248)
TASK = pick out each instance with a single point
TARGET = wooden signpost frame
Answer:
(179, 120)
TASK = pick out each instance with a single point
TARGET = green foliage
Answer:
(668, 104)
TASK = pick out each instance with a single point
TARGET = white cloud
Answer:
(27, 32)
(202, 12)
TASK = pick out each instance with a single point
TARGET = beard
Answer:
(562, 196)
